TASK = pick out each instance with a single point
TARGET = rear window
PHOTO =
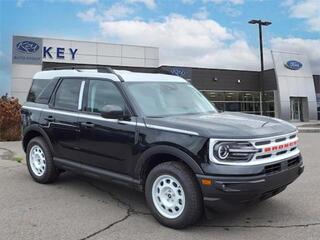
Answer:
(38, 85)
(41, 90)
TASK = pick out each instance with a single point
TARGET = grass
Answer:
(18, 159)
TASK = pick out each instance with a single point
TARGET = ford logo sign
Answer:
(27, 47)
(293, 65)
(178, 72)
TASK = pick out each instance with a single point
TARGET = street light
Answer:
(261, 23)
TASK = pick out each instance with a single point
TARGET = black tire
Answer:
(193, 208)
(50, 173)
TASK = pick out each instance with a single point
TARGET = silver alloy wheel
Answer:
(168, 196)
(37, 160)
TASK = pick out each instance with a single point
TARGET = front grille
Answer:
(266, 150)
(263, 143)
(272, 168)
(276, 148)
(280, 139)
(293, 162)
(282, 152)
(277, 167)
(263, 156)
(293, 136)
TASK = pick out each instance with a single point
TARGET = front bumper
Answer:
(232, 191)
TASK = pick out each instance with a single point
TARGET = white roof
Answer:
(127, 76)
(74, 73)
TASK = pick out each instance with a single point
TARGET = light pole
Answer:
(261, 23)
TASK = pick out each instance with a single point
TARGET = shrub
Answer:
(10, 119)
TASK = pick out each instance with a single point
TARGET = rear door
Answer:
(106, 143)
(62, 118)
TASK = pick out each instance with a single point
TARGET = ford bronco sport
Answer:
(158, 134)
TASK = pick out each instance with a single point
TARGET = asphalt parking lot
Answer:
(79, 208)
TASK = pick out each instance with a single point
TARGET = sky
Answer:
(198, 33)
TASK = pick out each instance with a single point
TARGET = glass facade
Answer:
(242, 101)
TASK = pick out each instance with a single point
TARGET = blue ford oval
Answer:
(27, 46)
(293, 65)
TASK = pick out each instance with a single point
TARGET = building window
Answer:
(241, 101)
(269, 103)
(318, 104)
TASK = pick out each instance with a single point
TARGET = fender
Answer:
(163, 149)
(36, 128)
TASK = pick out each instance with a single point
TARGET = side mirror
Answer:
(112, 111)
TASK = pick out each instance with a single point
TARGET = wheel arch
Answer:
(32, 132)
(159, 154)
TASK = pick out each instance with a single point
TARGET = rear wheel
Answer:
(40, 162)
(173, 195)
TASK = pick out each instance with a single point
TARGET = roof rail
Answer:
(102, 69)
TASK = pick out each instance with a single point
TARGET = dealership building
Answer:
(290, 90)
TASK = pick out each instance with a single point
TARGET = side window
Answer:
(38, 85)
(67, 95)
(103, 93)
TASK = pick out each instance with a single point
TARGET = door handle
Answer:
(87, 124)
(49, 118)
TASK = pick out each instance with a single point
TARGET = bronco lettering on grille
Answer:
(281, 146)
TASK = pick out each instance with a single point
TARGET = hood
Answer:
(231, 125)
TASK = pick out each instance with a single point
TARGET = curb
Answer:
(308, 130)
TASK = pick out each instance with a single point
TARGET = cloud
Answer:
(286, 3)
(196, 41)
(20, 3)
(187, 1)
(89, 15)
(151, 4)
(118, 11)
(235, 2)
(227, 6)
(308, 46)
(186, 42)
(115, 12)
(231, 11)
(202, 13)
(308, 10)
(86, 2)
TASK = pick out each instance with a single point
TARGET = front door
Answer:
(105, 143)
(296, 108)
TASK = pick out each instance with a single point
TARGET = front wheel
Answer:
(173, 195)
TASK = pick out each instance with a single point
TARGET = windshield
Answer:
(159, 99)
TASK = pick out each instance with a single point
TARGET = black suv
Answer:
(158, 134)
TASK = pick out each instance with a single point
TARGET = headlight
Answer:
(234, 151)
(222, 151)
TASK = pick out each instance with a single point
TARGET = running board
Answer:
(97, 173)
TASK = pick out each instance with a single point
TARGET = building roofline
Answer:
(217, 69)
